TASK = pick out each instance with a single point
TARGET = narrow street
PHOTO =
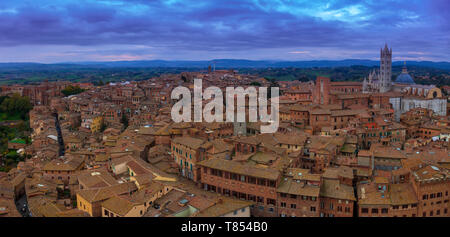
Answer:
(22, 206)
(60, 137)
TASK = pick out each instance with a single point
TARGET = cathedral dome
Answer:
(404, 77)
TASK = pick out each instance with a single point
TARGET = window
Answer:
(404, 206)
(234, 176)
(262, 182)
(283, 204)
(384, 210)
(374, 210)
(260, 199)
(271, 201)
(293, 206)
(272, 183)
(313, 209)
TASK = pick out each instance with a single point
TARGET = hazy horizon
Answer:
(216, 59)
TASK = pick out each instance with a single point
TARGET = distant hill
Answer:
(220, 63)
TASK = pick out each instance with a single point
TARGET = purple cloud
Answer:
(208, 29)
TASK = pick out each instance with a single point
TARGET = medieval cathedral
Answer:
(381, 81)
(406, 94)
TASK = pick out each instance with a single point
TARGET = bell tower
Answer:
(385, 69)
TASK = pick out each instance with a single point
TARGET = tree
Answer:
(16, 105)
(103, 127)
(124, 120)
(72, 90)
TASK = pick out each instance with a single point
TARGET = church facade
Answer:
(380, 81)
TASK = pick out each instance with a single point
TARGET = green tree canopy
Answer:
(16, 104)
(72, 90)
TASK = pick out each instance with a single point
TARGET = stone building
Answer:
(380, 81)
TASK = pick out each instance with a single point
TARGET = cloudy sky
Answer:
(111, 30)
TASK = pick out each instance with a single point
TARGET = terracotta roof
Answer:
(70, 164)
(96, 179)
(431, 173)
(243, 169)
(193, 143)
(334, 189)
(320, 111)
(119, 205)
(223, 207)
(334, 173)
(368, 194)
(94, 195)
(136, 168)
(337, 113)
(402, 193)
(297, 187)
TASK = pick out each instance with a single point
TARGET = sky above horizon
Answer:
(52, 31)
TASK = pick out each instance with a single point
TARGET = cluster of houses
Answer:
(114, 151)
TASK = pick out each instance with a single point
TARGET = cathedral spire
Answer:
(385, 69)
